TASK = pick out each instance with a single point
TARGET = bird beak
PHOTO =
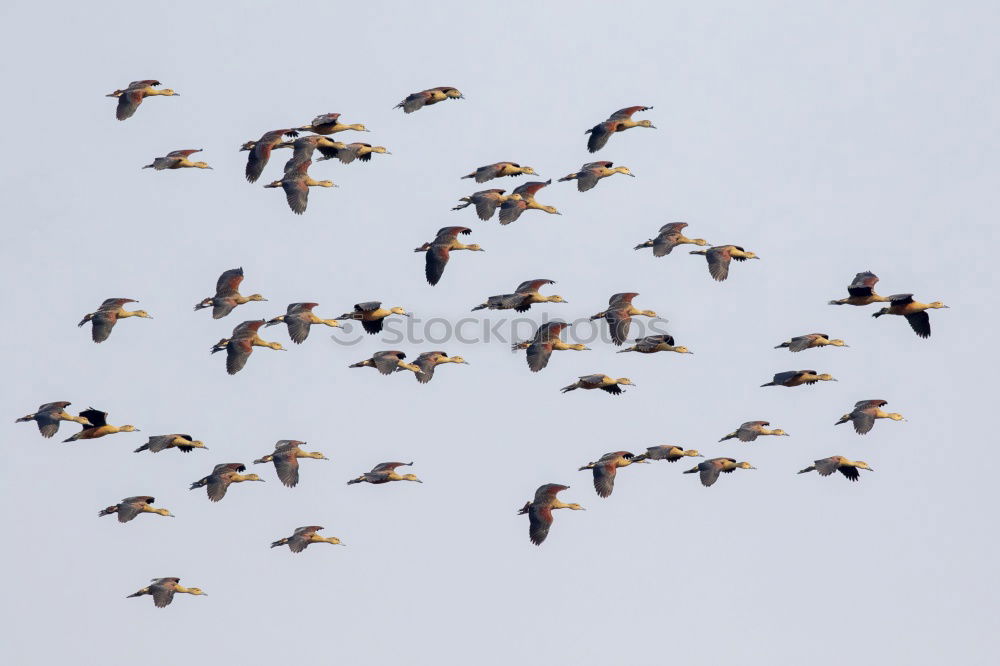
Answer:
(699, 456)
(653, 127)
(388, 152)
(170, 515)
(558, 213)
(631, 174)
(407, 314)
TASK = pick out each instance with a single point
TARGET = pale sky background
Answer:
(829, 137)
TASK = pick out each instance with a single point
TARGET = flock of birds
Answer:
(299, 318)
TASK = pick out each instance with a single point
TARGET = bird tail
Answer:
(807, 469)
(279, 542)
(648, 243)
(220, 345)
(731, 435)
(691, 471)
(359, 364)
(768, 384)
(571, 176)
(204, 304)
(480, 307)
(524, 509)
(200, 483)
(599, 315)
(783, 345)
(357, 480)
(471, 175)
(72, 439)
(641, 458)
(137, 594)
(463, 205)
(272, 322)
(878, 314)
(567, 389)
(142, 448)
(107, 512)
(843, 419)
(835, 303)
(29, 417)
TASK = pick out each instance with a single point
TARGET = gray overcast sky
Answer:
(828, 137)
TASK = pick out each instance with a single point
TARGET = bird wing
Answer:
(129, 101)
(827, 466)
(604, 477)
(96, 417)
(237, 353)
(511, 209)
(386, 362)
(800, 342)
(619, 322)
(229, 282)
(622, 114)
(530, 286)
(862, 284)
(296, 194)
(287, 467)
(538, 355)
(436, 260)
(298, 327)
(101, 324)
(599, 135)
(920, 322)
(718, 263)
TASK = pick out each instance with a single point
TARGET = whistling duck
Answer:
(50, 414)
(522, 299)
(539, 511)
(668, 238)
(286, 460)
(107, 316)
(619, 121)
(217, 483)
(864, 414)
(227, 295)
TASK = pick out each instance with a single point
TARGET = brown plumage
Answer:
(499, 170)
(652, 344)
(384, 473)
(667, 452)
(131, 97)
(810, 341)
(329, 123)
(599, 381)
(619, 121)
(163, 589)
(299, 318)
(798, 378)
(619, 315)
(710, 469)
(864, 414)
(130, 507)
(751, 430)
(286, 460)
(95, 425)
(227, 294)
(539, 511)
(720, 256)
(180, 441)
(861, 291)
(260, 151)
(849, 468)
(296, 183)
(107, 315)
(485, 201)
(427, 361)
(525, 295)
(217, 483)
(371, 314)
(915, 312)
(669, 237)
(522, 199)
(387, 362)
(545, 341)
(50, 414)
(591, 173)
(303, 536)
(606, 468)
(439, 251)
(418, 100)
(240, 345)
